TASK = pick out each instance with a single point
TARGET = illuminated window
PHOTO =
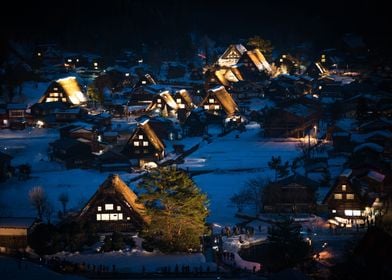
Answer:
(344, 188)
(140, 137)
(348, 212)
(178, 100)
(159, 100)
(145, 143)
(280, 60)
(206, 107)
(136, 143)
(128, 218)
(333, 211)
(55, 88)
(104, 217)
(159, 105)
(98, 217)
(69, 60)
(217, 107)
(109, 207)
(323, 60)
(338, 196)
(95, 64)
(39, 54)
(64, 99)
(284, 56)
(323, 56)
(350, 196)
(182, 106)
(144, 82)
(113, 217)
(120, 216)
(211, 100)
(356, 212)
(99, 208)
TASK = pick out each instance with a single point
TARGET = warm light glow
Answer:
(39, 54)
(73, 90)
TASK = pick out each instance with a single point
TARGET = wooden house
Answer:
(72, 152)
(114, 207)
(253, 65)
(17, 117)
(294, 121)
(231, 55)
(346, 201)
(14, 232)
(184, 103)
(295, 193)
(220, 103)
(66, 90)
(69, 114)
(164, 128)
(196, 123)
(5, 166)
(144, 145)
(164, 104)
(112, 161)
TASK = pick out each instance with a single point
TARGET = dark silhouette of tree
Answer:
(64, 199)
(178, 210)
(281, 169)
(38, 199)
(286, 245)
(264, 45)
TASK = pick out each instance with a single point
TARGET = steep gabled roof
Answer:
(150, 133)
(231, 55)
(113, 185)
(186, 97)
(167, 97)
(71, 88)
(259, 60)
(224, 98)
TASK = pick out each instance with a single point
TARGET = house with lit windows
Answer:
(164, 104)
(231, 56)
(144, 145)
(65, 90)
(253, 65)
(114, 207)
(220, 103)
(350, 202)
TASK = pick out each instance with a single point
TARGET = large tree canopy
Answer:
(178, 210)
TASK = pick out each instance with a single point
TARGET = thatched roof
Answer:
(71, 88)
(151, 135)
(224, 98)
(113, 185)
(259, 60)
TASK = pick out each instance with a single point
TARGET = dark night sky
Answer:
(119, 22)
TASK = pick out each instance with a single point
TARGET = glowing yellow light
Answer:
(39, 54)
(95, 64)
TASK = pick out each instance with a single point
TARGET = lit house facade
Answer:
(113, 207)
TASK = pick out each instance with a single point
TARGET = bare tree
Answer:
(38, 199)
(64, 199)
(250, 194)
(48, 210)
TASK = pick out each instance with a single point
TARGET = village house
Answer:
(72, 153)
(231, 55)
(196, 123)
(114, 208)
(144, 145)
(296, 120)
(16, 117)
(351, 203)
(219, 102)
(14, 232)
(66, 90)
(294, 194)
(253, 66)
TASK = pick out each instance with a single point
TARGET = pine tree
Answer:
(263, 45)
(286, 246)
(178, 210)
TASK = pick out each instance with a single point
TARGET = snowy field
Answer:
(232, 161)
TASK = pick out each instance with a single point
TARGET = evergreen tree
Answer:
(286, 246)
(281, 169)
(178, 210)
(264, 45)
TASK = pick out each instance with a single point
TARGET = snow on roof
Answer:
(376, 176)
(72, 89)
(299, 110)
(16, 222)
(346, 173)
(372, 146)
(16, 106)
(259, 60)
